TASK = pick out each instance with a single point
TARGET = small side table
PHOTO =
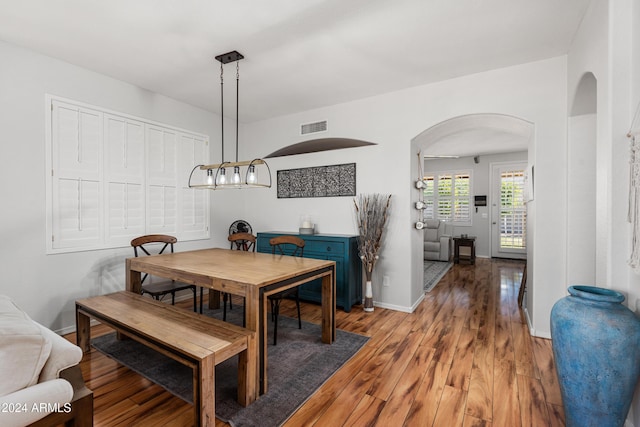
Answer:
(468, 242)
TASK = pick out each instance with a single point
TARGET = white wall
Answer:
(535, 92)
(608, 45)
(634, 93)
(581, 212)
(46, 286)
(589, 53)
(481, 181)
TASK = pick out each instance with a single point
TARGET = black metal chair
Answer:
(159, 290)
(281, 244)
(242, 242)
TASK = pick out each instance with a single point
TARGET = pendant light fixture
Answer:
(245, 174)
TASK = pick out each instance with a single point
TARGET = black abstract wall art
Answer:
(318, 181)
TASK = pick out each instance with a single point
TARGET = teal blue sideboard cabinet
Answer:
(343, 249)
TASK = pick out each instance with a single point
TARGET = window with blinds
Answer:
(447, 196)
(114, 177)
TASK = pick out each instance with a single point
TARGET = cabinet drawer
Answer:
(323, 247)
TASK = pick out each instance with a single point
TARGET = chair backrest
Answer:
(142, 243)
(433, 230)
(283, 242)
(243, 241)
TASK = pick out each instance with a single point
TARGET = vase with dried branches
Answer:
(371, 215)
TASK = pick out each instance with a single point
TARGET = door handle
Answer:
(494, 223)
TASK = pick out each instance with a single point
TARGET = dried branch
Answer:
(371, 214)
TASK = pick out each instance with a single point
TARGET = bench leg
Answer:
(83, 331)
(247, 386)
(204, 399)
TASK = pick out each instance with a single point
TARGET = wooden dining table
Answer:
(251, 275)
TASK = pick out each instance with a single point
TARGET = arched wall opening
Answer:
(584, 264)
(487, 135)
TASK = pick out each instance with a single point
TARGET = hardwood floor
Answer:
(463, 358)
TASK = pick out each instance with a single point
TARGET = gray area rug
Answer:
(433, 272)
(298, 366)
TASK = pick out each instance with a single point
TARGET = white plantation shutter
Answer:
(461, 197)
(162, 209)
(513, 211)
(447, 196)
(124, 179)
(161, 168)
(76, 176)
(114, 177)
(125, 215)
(194, 203)
(161, 155)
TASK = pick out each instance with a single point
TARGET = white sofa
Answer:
(41, 382)
(437, 243)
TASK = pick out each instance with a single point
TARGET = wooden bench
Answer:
(192, 339)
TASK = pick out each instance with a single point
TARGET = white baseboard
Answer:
(401, 308)
(532, 330)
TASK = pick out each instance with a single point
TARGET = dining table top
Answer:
(253, 268)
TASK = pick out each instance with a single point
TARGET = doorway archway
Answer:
(485, 135)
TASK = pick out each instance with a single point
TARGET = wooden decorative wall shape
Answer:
(319, 181)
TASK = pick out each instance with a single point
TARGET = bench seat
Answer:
(194, 340)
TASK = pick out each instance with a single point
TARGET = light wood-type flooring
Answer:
(463, 358)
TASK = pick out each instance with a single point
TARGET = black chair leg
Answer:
(173, 298)
(224, 306)
(201, 297)
(244, 316)
(298, 306)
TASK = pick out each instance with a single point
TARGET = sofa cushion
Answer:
(36, 402)
(23, 348)
(64, 354)
(432, 247)
(431, 235)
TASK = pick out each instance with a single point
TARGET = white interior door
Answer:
(508, 210)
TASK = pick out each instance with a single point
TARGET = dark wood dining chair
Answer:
(158, 290)
(242, 242)
(285, 245)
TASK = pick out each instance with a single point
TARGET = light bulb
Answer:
(222, 178)
(236, 175)
(209, 177)
(252, 177)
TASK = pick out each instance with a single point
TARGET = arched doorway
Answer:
(482, 139)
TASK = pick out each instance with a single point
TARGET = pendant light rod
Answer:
(226, 58)
(222, 109)
(237, 104)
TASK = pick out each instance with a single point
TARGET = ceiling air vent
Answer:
(316, 127)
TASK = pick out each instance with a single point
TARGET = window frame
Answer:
(432, 200)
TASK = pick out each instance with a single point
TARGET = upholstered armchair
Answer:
(40, 379)
(437, 244)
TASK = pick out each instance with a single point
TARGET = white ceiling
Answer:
(299, 55)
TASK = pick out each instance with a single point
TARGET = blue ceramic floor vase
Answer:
(596, 347)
